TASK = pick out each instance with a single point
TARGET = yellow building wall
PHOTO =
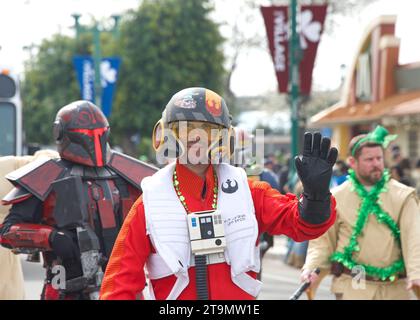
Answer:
(341, 139)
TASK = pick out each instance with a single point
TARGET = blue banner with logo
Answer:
(109, 75)
(85, 72)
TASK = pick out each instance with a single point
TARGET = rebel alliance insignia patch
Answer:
(229, 186)
(213, 103)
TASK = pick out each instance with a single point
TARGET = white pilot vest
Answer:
(166, 225)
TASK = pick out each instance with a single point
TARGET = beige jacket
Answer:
(377, 245)
(11, 277)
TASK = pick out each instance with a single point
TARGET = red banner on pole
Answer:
(276, 25)
(310, 26)
(312, 19)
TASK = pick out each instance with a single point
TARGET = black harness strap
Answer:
(201, 277)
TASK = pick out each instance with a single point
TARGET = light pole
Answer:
(30, 49)
(294, 60)
(96, 31)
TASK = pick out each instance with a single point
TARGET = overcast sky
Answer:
(24, 22)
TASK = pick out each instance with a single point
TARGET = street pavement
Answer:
(280, 281)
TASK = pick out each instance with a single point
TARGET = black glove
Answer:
(64, 245)
(314, 169)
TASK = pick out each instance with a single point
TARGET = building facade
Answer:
(377, 90)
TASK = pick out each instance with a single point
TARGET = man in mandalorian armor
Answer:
(71, 208)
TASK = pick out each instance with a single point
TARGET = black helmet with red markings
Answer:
(197, 104)
(81, 131)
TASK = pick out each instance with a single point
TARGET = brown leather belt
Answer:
(370, 278)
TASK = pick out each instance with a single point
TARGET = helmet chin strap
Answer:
(215, 155)
(217, 150)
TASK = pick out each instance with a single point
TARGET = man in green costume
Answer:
(373, 249)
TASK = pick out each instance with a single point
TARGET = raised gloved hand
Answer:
(314, 169)
(63, 243)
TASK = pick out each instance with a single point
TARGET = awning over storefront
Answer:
(401, 104)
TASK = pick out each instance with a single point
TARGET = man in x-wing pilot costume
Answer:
(197, 224)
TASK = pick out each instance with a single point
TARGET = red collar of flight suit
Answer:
(191, 186)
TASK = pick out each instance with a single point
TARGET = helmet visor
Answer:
(202, 141)
(93, 142)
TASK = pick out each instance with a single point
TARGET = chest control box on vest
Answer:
(207, 233)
